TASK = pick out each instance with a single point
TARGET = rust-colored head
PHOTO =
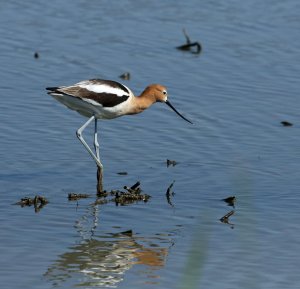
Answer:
(158, 93)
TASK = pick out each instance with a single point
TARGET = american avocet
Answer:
(106, 99)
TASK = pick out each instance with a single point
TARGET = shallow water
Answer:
(237, 91)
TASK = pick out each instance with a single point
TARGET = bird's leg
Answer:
(99, 168)
(96, 144)
(79, 135)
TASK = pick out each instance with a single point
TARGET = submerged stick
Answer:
(135, 186)
(189, 44)
(134, 189)
(75, 196)
(188, 41)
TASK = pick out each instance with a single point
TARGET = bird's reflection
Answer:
(103, 260)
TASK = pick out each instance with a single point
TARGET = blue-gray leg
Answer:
(80, 137)
(96, 144)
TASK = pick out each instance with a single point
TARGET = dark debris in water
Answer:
(128, 196)
(189, 45)
(122, 173)
(128, 233)
(125, 76)
(286, 123)
(134, 189)
(230, 200)
(38, 202)
(124, 198)
(75, 196)
(171, 163)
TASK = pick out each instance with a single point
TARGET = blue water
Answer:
(237, 91)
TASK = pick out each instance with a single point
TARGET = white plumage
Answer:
(106, 99)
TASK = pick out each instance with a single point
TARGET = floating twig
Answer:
(135, 186)
(189, 45)
(75, 197)
(135, 189)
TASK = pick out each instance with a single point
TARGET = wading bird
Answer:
(106, 99)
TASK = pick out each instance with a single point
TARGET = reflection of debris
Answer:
(286, 123)
(131, 195)
(125, 75)
(171, 163)
(170, 194)
(75, 197)
(38, 201)
(101, 201)
(225, 219)
(230, 201)
(189, 45)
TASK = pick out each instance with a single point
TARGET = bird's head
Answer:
(161, 95)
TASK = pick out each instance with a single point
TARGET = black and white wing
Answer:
(105, 93)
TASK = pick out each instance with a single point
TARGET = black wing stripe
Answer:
(103, 98)
(107, 99)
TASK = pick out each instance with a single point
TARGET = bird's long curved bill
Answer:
(170, 105)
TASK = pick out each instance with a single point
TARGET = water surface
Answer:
(244, 83)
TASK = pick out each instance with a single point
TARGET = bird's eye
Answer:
(164, 92)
